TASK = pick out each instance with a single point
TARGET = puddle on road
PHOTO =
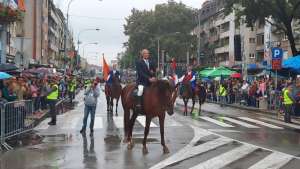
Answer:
(56, 138)
(112, 139)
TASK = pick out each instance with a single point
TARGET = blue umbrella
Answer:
(4, 75)
(292, 63)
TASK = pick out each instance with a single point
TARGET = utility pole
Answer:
(199, 37)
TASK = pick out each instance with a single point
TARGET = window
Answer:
(251, 40)
(251, 55)
(260, 39)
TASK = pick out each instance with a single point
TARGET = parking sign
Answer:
(277, 53)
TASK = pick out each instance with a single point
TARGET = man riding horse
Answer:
(189, 76)
(145, 70)
(113, 73)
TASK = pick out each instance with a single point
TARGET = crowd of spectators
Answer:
(251, 93)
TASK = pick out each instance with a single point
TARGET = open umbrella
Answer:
(218, 72)
(292, 63)
(4, 75)
(236, 75)
(7, 67)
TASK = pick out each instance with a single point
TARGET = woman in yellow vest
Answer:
(52, 99)
(288, 102)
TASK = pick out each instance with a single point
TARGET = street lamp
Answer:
(78, 40)
(67, 27)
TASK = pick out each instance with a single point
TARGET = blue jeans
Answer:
(89, 110)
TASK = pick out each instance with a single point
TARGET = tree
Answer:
(282, 13)
(170, 23)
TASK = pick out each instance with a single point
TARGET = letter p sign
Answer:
(277, 53)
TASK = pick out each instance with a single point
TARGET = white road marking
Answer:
(260, 123)
(119, 122)
(98, 123)
(239, 122)
(184, 153)
(219, 123)
(276, 160)
(142, 121)
(71, 123)
(226, 158)
(281, 123)
(170, 122)
(224, 131)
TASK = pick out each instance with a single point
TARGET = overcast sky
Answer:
(109, 16)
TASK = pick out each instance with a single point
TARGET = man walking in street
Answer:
(91, 98)
(288, 102)
(52, 100)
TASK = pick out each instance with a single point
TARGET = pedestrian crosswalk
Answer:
(247, 122)
(194, 154)
(74, 122)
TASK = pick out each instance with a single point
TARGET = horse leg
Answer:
(193, 106)
(111, 105)
(131, 124)
(185, 107)
(117, 102)
(200, 104)
(126, 124)
(162, 133)
(146, 132)
(107, 103)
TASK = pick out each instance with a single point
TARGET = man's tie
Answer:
(147, 63)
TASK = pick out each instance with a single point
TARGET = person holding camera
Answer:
(90, 101)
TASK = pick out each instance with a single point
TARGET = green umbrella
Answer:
(217, 72)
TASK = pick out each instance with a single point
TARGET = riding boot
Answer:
(138, 106)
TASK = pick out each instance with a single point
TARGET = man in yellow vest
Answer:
(52, 100)
(288, 102)
(222, 94)
(71, 89)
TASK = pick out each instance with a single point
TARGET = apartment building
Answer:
(225, 42)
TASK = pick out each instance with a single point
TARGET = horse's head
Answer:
(167, 95)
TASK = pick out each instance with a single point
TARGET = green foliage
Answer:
(282, 12)
(170, 23)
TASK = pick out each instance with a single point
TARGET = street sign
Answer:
(277, 54)
(276, 64)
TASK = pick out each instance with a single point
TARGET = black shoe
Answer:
(51, 123)
(82, 131)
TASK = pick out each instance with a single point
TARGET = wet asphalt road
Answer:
(219, 138)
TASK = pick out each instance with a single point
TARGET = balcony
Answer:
(224, 34)
(224, 49)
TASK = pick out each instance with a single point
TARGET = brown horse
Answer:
(157, 99)
(112, 92)
(188, 93)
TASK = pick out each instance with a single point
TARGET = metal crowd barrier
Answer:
(274, 100)
(16, 118)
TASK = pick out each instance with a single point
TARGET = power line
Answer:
(97, 18)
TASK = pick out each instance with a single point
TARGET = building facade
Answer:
(227, 43)
(39, 37)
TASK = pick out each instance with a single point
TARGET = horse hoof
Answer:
(130, 146)
(166, 150)
(145, 150)
(125, 140)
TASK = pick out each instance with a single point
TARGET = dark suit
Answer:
(144, 73)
